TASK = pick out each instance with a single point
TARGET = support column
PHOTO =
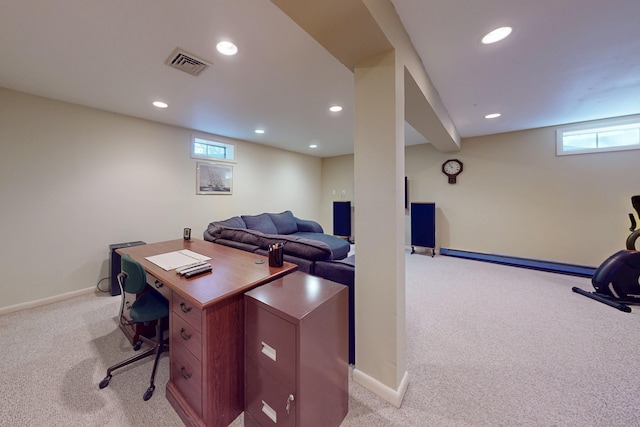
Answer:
(379, 215)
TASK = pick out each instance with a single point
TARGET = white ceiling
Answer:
(566, 61)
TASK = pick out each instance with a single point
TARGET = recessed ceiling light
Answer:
(496, 35)
(313, 145)
(492, 116)
(335, 108)
(259, 131)
(160, 104)
(227, 48)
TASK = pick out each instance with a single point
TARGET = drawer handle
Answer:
(268, 351)
(159, 284)
(182, 334)
(184, 375)
(289, 400)
(184, 308)
(269, 412)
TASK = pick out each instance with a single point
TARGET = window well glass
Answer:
(209, 149)
(605, 135)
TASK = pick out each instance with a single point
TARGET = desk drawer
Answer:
(271, 343)
(186, 375)
(159, 286)
(187, 310)
(184, 334)
(266, 399)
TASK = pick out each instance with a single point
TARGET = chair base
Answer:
(159, 347)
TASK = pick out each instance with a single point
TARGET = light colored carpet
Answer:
(488, 345)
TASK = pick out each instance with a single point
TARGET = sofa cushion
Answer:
(250, 237)
(285, 222)
(261, 223)
(233, 222)
(237, 245)
(339, 247)
(341, 271)
(313, 250)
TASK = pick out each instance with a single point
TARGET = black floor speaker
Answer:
(114, 262)
(342, 219)
(423, 226)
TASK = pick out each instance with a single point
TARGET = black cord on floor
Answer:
(98, 284)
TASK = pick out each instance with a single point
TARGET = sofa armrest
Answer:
(308, 225)
(208, 234)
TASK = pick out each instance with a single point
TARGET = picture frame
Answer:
(214, 178)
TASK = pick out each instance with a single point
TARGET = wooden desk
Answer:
(206, 385)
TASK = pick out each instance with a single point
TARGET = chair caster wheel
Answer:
(105, 381)
(149, 393)
(137, 346)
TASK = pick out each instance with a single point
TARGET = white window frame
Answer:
(598, 126)
(229, 146)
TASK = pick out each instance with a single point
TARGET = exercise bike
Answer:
(635, 234)
(617, 279)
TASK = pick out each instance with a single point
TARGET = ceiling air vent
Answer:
(187, 62)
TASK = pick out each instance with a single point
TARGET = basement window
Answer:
(605, 135)
(208, 149)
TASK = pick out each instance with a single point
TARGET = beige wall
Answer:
(337, 177)
(74, 180)
(516, 197)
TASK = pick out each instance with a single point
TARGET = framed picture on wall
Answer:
(214, 178)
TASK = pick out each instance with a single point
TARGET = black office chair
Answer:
(146, 308)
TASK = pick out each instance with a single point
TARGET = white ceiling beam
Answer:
(354, 30)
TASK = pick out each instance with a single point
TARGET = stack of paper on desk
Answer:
(177, 259)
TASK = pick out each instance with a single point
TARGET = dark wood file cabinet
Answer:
(296, 353)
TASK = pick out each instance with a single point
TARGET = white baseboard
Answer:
(45, 301)
(390, 395)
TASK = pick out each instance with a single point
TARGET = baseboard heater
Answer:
(534, 264)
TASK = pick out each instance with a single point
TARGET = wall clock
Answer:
(452, 168)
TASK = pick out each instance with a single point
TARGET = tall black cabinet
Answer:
(423, 226)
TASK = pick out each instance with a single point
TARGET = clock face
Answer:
(452, 167)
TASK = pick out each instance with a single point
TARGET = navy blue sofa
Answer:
(304, 241)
